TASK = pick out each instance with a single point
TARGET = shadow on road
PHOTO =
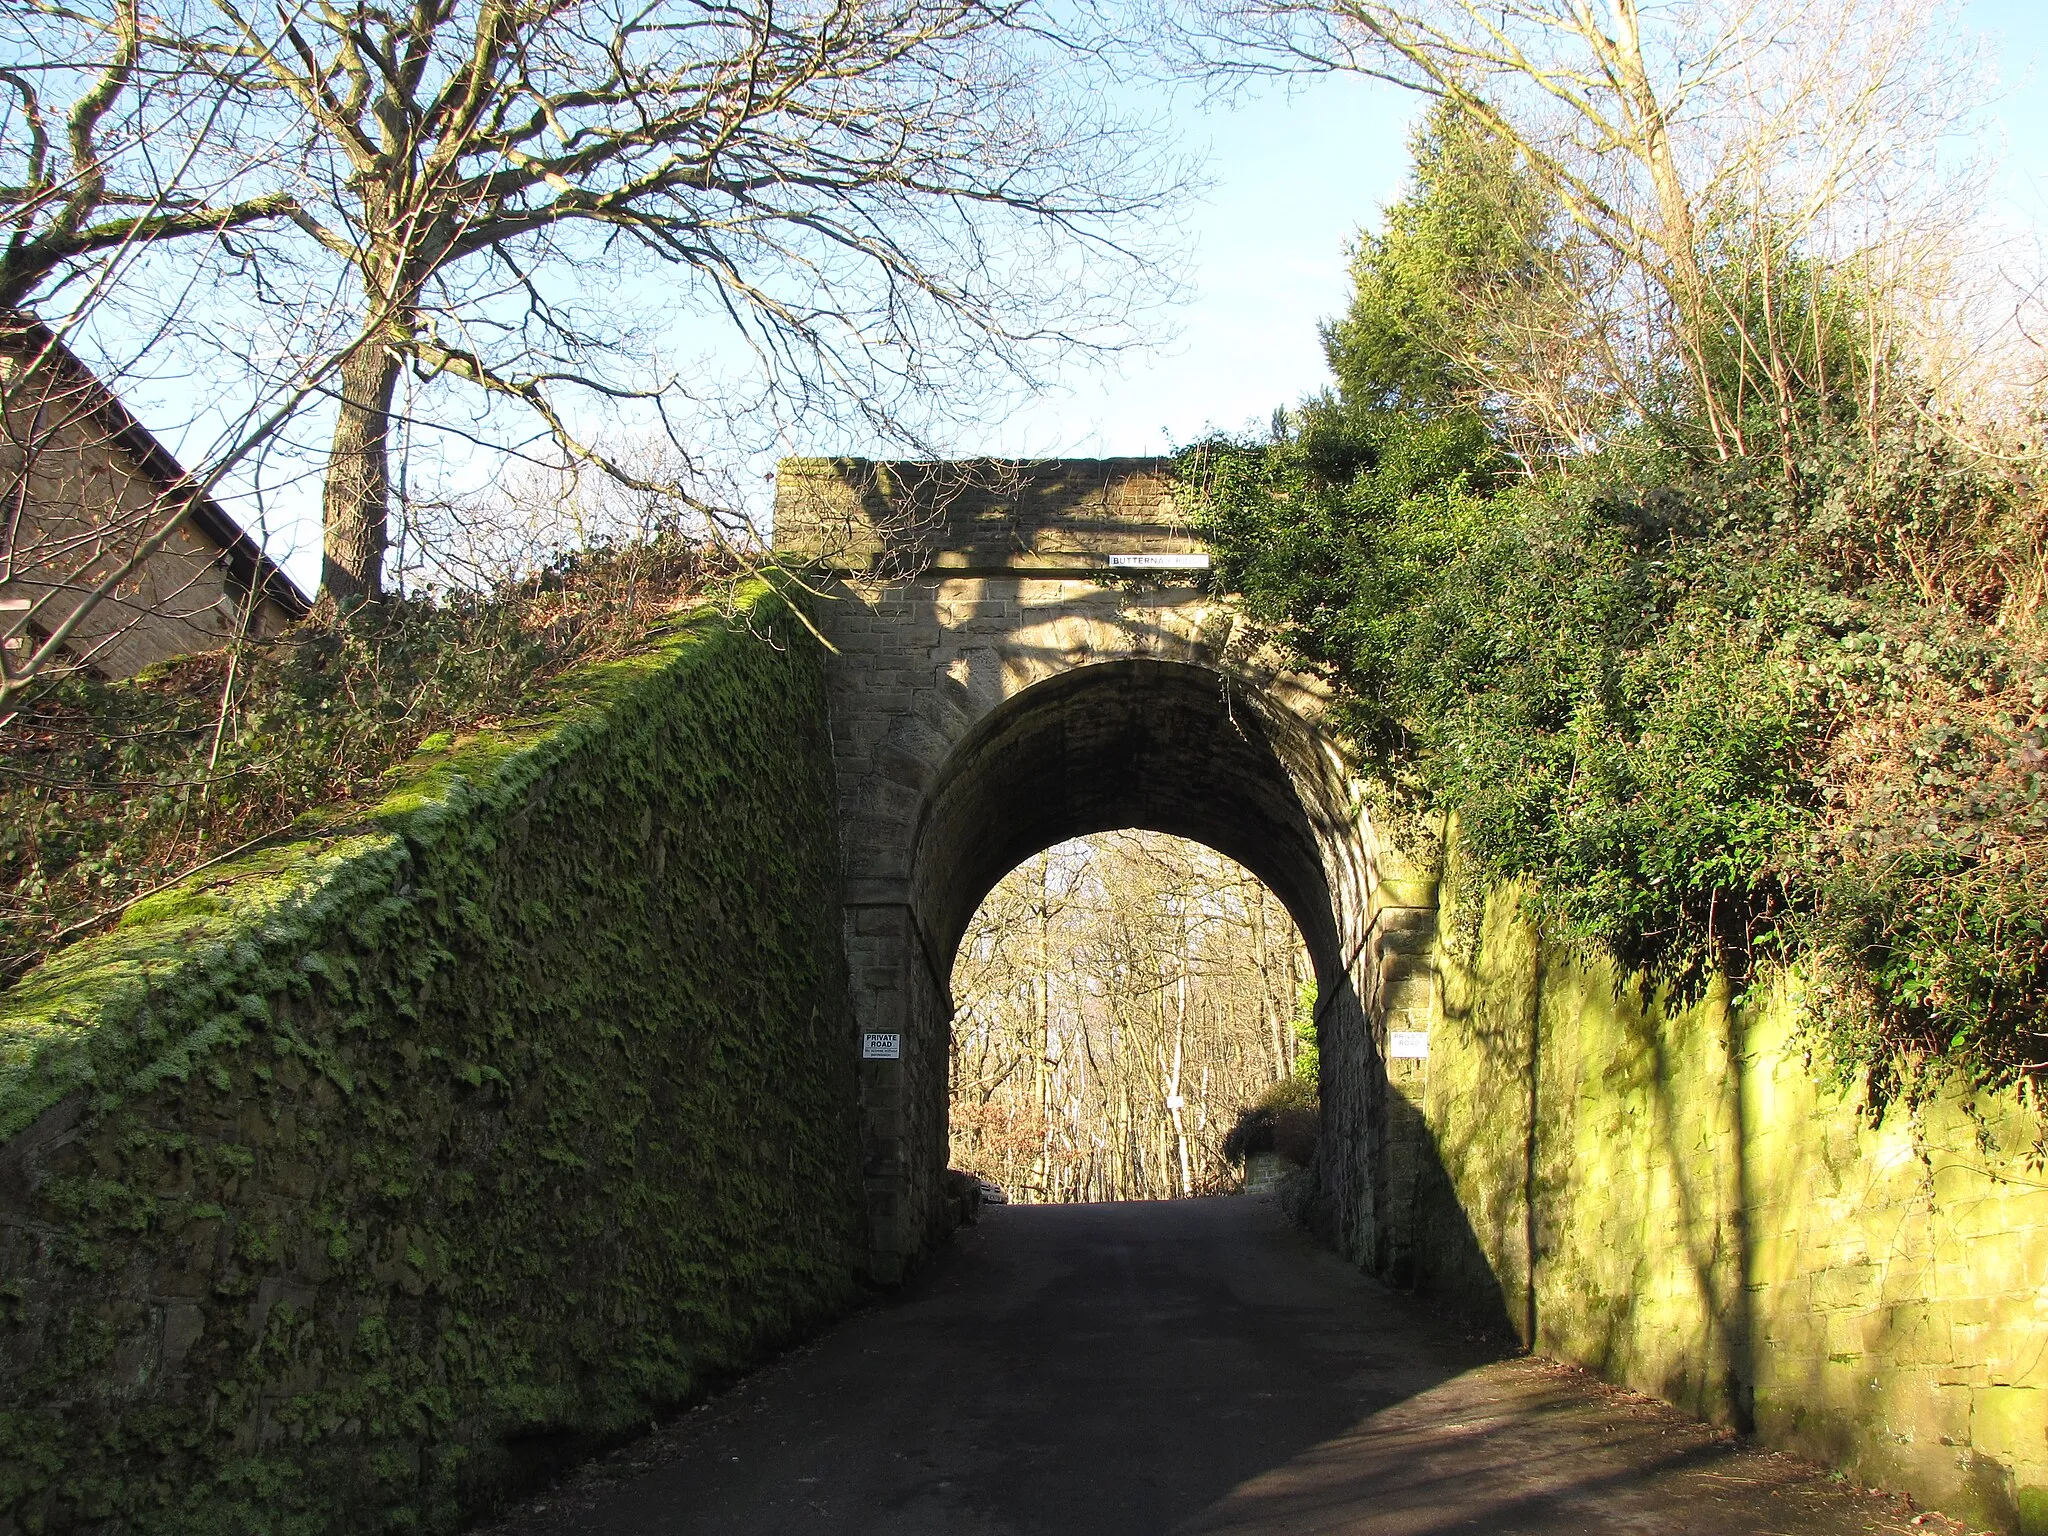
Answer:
(1116, 1370)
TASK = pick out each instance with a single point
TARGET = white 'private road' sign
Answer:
(1408, 1044)
(881, 1047)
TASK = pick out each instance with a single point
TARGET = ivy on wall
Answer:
(347, 1184)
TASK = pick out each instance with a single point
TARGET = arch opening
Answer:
(1163, 746)
(1167, 747)
(1132, 1023)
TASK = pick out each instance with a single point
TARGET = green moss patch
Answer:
(349, 1181)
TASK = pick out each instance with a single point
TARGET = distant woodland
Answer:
(1122, 998)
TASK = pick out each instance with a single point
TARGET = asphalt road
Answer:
(1190, 1366)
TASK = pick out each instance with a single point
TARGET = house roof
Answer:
(26, 337)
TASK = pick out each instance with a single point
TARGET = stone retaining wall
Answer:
(1668, 1197)
(356, 1182)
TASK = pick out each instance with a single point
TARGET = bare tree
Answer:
(117, 131)
(1117, 998)
(881, 201)
(1748, 172)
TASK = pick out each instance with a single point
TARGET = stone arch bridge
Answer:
(1027, 652)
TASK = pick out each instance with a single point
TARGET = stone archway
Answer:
(1016, 662)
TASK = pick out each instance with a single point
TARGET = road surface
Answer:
(1187, 1366)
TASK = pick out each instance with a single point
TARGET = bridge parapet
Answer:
(977, 516)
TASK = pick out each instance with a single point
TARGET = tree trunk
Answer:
(1175, 1100)
(1276, 1028)
(1679, 236)
(356, 504)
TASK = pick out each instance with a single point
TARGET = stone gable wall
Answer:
(81, 501)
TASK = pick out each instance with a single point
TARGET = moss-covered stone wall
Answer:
(1668, 1197)
(359, 1178)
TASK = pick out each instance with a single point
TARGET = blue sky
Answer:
(1293, 181)
(1293, 175)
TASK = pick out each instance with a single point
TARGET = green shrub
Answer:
(1285, 1119)
(1706, 714)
